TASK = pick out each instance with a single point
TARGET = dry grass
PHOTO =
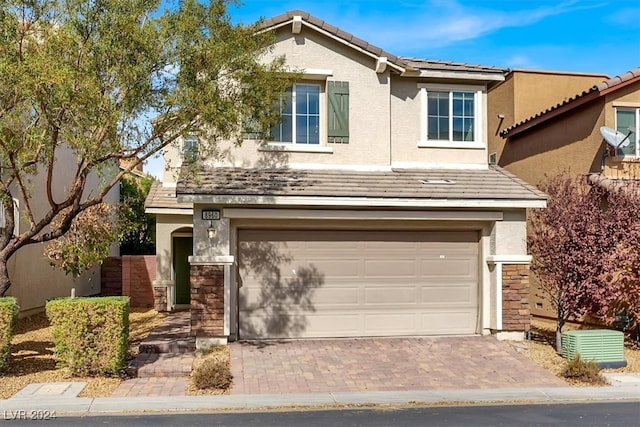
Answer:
(33, 362)
(542, 350)
(220, 353)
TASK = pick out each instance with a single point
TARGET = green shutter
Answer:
(338, 94)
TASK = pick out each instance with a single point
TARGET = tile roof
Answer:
(164, 197)
(567, 104)
(493, 183)
(402, 62)
(436, 65)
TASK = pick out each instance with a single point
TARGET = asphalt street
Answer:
(592, 414)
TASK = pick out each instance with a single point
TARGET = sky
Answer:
(590, 36)
(594, 36)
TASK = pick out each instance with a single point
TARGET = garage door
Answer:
(310, 284)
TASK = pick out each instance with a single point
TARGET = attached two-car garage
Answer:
(344, 283)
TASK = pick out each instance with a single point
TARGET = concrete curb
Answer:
(105, 405)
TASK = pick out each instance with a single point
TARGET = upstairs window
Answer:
(299, 109)
(190, 148)
(628, 119)
(451, 116)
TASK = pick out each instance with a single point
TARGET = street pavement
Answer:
(58, 399)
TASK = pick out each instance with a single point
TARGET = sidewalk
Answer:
(55, 397)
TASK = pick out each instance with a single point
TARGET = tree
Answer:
(137, 238)
(583, 246)
(83, 77)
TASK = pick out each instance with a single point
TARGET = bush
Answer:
(91, 335)
(583, 370)
(212, 373)
(8, 315)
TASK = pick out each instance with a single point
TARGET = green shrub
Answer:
(91, 335)
(8, 315)
(583, 370)
(212, 373)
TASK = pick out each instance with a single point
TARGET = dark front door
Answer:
(182, 250)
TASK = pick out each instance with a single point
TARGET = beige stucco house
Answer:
(372, 211)
(564, 136)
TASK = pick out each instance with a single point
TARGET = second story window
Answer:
(190, 148)
(628, 123)
(451, 116)
(299, 116)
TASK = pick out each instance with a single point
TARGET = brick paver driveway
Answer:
(382, 364)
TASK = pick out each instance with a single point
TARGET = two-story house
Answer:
(371, 211)
(565, 136)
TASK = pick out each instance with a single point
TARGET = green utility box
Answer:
(603, 346)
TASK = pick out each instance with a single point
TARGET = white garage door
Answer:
(307, 284)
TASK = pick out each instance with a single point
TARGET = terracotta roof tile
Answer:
(593, 92)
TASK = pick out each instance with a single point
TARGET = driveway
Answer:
(382, 364)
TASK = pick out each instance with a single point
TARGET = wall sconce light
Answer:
(211, 232)
(211, 215)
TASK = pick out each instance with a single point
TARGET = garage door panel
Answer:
(400, 295)
(447, 322)
(450, 295)
(390, 267)
(357, 283)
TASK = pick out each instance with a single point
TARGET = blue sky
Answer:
(586, 35)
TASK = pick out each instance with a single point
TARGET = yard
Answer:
(541, 350)
(32, 355)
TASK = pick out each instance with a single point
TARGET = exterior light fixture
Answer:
(211, 215)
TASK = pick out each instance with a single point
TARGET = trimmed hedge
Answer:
(8, 315)
(91, 335)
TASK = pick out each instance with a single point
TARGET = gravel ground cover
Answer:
(32, 358)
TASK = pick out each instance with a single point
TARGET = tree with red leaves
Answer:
(584, 247)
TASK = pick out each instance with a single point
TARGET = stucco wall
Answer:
(569, 143)
(525, 93)
(166, 225)
(33, 279)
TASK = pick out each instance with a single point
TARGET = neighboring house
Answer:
(372, 211)
(565, 136)
(33, 279)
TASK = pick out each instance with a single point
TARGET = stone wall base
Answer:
(516, 315)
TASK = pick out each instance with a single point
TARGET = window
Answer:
(628, 120)
(190, 148)
(451, 117)
(299, 116)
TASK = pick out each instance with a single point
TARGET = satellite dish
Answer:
(614, 138)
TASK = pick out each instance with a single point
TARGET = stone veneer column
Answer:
(160, 298)
(207, 300)
(515, 297)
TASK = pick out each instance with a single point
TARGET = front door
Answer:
(182, 250)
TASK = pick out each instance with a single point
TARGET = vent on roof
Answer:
(493, 158)
(605, 347)
(437, 181)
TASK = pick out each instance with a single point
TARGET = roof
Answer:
(614, 184)
(403, 63)
(437, 65)
(594, 92)
(163, 198)
(428, 187)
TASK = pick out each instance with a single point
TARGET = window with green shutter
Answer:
(338, 110)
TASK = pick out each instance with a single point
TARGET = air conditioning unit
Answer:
(605, 347)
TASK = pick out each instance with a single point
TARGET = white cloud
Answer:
(442, 23)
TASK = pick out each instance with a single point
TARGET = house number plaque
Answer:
(211, 215)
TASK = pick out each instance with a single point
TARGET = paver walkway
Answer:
(165, 360)
(384, 364)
